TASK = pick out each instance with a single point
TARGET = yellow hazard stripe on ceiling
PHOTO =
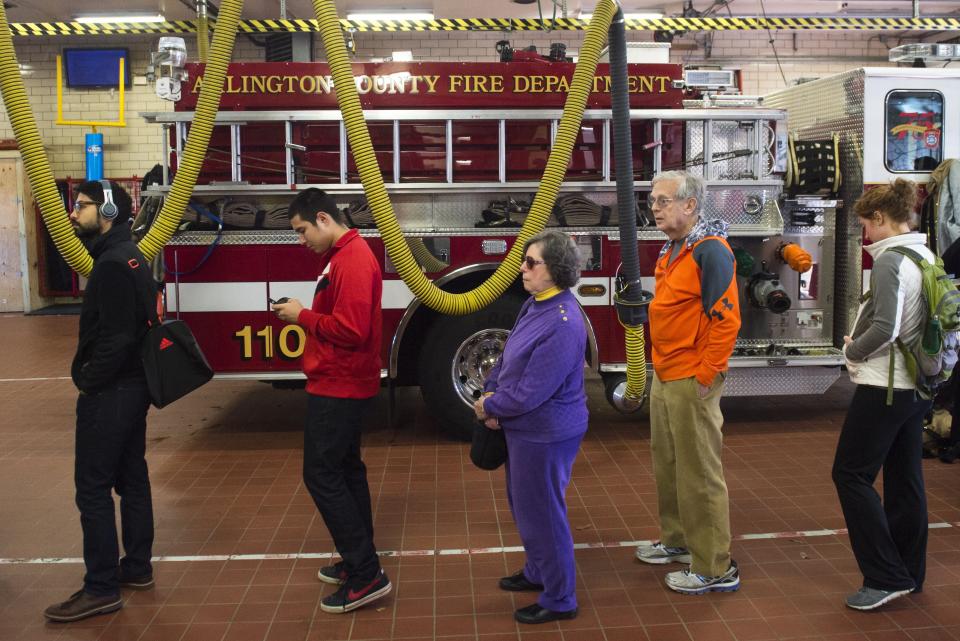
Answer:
(497, 24)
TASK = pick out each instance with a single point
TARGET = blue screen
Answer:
(95, 67)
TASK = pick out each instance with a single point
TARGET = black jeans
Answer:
(110, 448)
(889, 538)
(336, 478)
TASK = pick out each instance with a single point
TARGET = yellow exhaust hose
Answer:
(636, 363)
(427, 261)
(379, 201)
(38, 169)
(35, 162)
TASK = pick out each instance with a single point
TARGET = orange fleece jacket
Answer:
(695, 315)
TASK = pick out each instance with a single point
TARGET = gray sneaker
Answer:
(870, 598)
(660, 554)
(686, 582)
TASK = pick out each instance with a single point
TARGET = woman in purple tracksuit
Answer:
(535, 394)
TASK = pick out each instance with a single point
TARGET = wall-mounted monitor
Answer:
(96, 68)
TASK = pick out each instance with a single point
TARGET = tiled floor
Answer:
(226, 476)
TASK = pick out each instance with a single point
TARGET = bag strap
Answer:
(151, 304)
(913, 255)
(910, 361)
(908, 358)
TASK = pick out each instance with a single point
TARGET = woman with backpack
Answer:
(883, 426)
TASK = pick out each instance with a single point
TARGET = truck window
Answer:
(914, 130)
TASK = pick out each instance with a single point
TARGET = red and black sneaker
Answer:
(335, 574)
(352, 595)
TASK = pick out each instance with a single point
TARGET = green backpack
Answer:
(930, 361)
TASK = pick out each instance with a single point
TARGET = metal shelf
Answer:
(756, 157)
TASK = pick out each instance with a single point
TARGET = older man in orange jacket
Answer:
(694, 320)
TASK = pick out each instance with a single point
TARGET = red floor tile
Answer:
(225, 468)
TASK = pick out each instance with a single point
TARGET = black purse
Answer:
(489, 448)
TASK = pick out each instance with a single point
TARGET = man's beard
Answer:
(86, 234)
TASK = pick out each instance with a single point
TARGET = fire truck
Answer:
(889, 122)
(461, 147)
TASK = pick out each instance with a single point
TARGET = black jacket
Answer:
(113, 319)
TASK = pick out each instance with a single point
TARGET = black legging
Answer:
(888, 536)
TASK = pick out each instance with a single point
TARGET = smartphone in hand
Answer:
(279, 301)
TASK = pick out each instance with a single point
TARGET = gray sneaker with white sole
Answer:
(870, 598)
(659, 554)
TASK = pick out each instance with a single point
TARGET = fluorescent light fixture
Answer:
(629, 16)
(117, 18)
(399, 15)
(402, 56)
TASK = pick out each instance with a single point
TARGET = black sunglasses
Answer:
(532, 262)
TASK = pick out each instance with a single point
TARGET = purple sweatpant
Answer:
(537, 479)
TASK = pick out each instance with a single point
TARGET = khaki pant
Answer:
(686, 440)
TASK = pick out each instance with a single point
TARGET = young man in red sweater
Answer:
(342, 365)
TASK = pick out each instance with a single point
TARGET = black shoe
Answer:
(950, 454)
(335, 574)
(351, 596)
(81, 605)
(537, 614)
(519, 583)
(142, 582)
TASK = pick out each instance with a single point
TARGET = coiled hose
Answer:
(38, 169)
(360, 144)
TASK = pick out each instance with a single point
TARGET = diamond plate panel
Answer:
(817, 109)
(779, 381)
(734, 149)
(235, 238)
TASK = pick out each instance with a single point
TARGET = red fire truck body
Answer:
(461, 147)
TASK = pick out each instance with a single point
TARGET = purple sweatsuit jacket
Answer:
(537, 384)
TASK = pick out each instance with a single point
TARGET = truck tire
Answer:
(456, 355)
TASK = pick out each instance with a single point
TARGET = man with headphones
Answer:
(111, 407)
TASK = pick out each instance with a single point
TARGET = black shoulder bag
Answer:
(172, 360)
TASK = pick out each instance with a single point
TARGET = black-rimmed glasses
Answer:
(80, 204)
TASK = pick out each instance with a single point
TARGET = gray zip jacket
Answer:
(895, 308)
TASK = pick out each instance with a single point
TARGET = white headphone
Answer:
(108, 209)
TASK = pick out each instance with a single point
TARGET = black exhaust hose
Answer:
(631, 300)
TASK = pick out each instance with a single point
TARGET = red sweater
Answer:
(344, 325)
